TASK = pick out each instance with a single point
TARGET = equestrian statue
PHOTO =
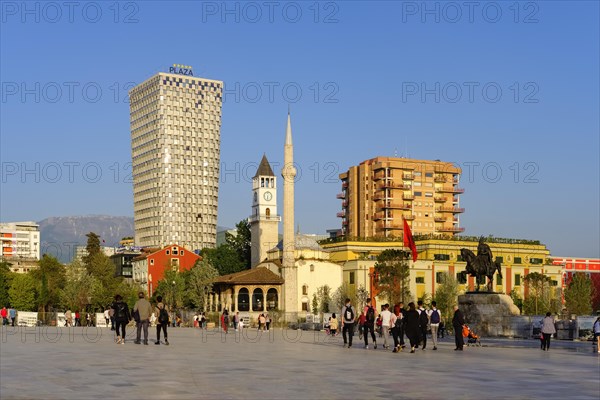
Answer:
(481, 265)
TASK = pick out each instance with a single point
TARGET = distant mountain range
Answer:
(59, 235)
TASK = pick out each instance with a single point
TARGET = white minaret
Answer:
(264, 221)
(289, 271)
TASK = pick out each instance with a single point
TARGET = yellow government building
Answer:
(441, 254)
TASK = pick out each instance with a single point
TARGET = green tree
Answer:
(224, 258)
(393, 275)
(315, 304)
(446, 295)
(199, 282)
(362, 294)
(338, 299)
(50, 279)
(172, 288)
(78, 287)
(5, 280)
(324, 296)
(516, 298)
(539, 297)
(92, 247)
(241, 242)
(579, 294)
(22, 292)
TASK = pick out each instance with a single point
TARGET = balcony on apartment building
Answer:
(448, 189)
(454, 229)
(397, 206)
(388, 184)
(440, 199)
(340, 196)
(439, 219)
(450, 209)
(341, 214)
(388, 225)
(408, 196)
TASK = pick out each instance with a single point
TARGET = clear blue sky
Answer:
(371, 62)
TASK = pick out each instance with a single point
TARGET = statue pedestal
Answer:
(489, 314)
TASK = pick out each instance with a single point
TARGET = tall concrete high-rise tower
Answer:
(264, 221)
(289, 270)
(175, 148)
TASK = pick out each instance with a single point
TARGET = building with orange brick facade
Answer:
(379, 193)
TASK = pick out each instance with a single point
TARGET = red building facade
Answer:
(589, 266)
(172, 257)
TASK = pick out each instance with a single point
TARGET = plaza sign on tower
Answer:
(181, 70)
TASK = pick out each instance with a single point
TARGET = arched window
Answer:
(243, 300)
(272, 299)
(258, 301)
(305, 290)
(262, 182)
(268, 212)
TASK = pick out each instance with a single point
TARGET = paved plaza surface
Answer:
(85, 363)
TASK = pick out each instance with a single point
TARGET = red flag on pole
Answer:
(409, 241)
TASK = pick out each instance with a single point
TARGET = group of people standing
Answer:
(412, 322)
(142, 312)
(9, 316)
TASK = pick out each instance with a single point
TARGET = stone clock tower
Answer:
(264, 221)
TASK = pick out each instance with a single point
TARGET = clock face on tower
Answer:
(268, 196)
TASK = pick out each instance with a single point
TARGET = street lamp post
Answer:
(174, 303)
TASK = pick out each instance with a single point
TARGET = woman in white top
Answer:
(548, 330)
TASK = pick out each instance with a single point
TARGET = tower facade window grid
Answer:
(175, 141)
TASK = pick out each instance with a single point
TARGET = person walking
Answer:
(548, 330)
(434, 321)
(144, 309)
(106, 316)
(225, 321)
(457, 324)
(348, 316)
(386, 320)
(236, 320)
(596, 330)
(4, 315)
(369, 325)
(396, 323)
(423, 323)
(69, 318)
(122, 318)
(268, 321)
(411, 326)
(111, 314)
(162, 320)
(12, 313)
(361, 323)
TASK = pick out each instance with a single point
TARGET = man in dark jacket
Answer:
(457, 323)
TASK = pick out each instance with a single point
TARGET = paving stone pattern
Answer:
(85, 363)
